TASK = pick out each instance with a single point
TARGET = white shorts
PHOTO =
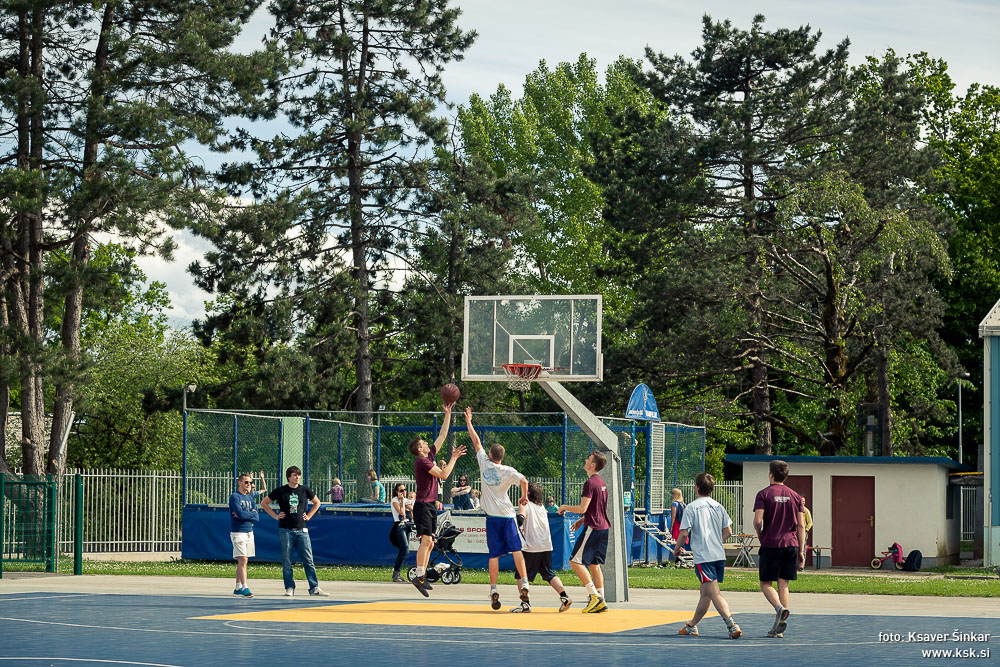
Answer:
(243, 545)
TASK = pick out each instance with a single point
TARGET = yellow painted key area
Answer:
(546, 619)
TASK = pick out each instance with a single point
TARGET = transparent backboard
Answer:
(560, 333)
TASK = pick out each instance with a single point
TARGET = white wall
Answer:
(909, 504)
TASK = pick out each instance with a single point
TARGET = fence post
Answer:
(50, 518)
(236, 438)
(565, 437)
(281, 452)
(184, 461)
(677, 431)
(78, 527)
(340, 451)
(306, 461)
(3, 515)
(378, 446)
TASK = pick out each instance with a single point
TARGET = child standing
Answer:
(592, 543)
(538, 544)
(501, 522)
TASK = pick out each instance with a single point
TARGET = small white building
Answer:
(862, 504)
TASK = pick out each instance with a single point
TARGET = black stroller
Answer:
(445, 563)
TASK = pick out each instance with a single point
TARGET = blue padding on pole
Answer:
(338, 537)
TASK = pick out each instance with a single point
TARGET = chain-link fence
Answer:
(546, 447)
(28, 520)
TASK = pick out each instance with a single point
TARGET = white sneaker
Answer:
(289, 592)
(319, 592)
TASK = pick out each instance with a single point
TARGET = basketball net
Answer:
(519, 376)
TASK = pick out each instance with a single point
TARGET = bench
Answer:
(817, 552)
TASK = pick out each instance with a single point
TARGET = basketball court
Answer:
(191, 621)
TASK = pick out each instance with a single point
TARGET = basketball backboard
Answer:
(562, 333)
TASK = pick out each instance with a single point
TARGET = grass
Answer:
(810, 581)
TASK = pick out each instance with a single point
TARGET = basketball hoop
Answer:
(519, 376)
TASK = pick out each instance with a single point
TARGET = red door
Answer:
(853, 521)
(803, 485)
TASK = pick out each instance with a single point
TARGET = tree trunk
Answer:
(70, 334)
(359, 251)
(884, 401)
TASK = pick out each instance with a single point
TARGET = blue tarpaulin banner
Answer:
(642, 405)
(339, 537)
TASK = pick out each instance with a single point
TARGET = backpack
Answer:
(913, 561)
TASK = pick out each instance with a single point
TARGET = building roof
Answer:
(862, 460)
(990, 326)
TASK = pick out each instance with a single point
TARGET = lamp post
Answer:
(961, 376)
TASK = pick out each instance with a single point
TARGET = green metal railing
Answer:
(28, 521)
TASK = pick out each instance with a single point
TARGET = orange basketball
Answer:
(450, 394)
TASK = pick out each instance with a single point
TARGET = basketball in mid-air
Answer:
(450, 394)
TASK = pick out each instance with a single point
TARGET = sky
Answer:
(514, 35)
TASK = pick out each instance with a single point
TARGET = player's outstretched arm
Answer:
(576, 509)
(456, 453)
(524, 492)
(477, 444)
(445, 428)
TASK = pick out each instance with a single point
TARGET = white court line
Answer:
(114, 662)
(398, 637)
(46, 597)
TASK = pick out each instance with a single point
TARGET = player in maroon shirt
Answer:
(781, 528)
(592, 543)
(427, 474)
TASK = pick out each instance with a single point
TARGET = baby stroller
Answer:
(445, 563)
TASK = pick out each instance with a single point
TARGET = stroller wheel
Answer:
(432, 575)
(457, 577)
(411, 574)
(447, 577)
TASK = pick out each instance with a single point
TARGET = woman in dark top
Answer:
(399, 534)
(460, 497)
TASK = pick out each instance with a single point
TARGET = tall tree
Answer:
(335, 196)
(100, 99)
(764, 106)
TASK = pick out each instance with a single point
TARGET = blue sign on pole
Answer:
(642, 405)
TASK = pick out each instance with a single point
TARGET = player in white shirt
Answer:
(537, 542)
(501, 519)
(708, 524)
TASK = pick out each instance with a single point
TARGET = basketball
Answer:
(450, 394)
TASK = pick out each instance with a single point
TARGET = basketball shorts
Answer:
(778, 563)
(713, 571)
(538, 562)
(243, 545)
(591, 547)
(502, 537)
(425, 517)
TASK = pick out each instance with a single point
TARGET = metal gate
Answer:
(28, 520)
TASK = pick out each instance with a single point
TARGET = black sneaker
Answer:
(420, 583)
(495, 600)
(525, 608)
(564, 603)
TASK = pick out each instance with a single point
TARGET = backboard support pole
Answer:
(617, 561)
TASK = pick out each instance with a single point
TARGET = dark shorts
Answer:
(425, 517)
(591, 547)
(501, 536)
(778, 563)
(714, 571)
(538, 562)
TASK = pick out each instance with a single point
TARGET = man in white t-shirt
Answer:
(501, 519)
(708, 524)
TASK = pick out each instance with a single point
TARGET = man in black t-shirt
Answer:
(292, 531)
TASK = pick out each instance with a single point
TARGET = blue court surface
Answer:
(53, 628)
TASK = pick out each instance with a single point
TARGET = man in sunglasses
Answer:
(243, 509)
